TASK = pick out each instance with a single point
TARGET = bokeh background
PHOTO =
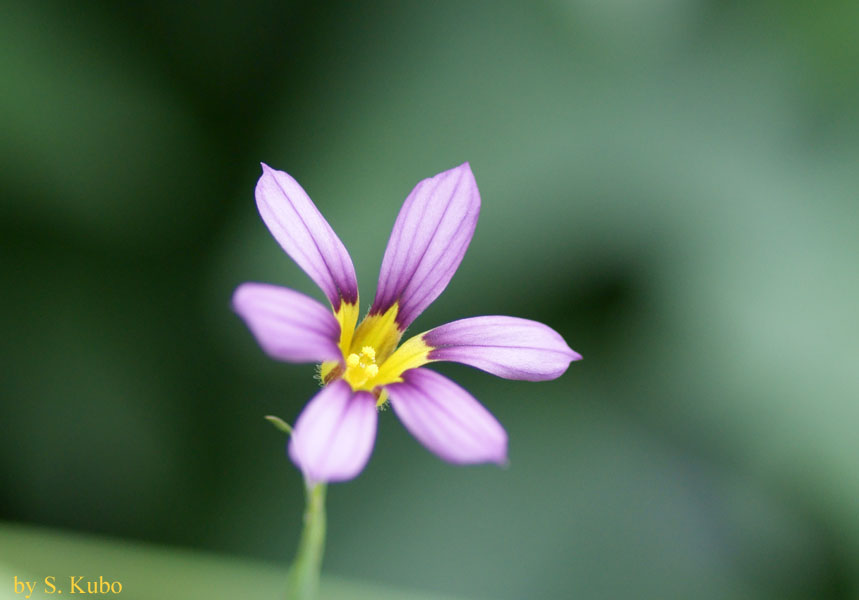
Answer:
(670, 184)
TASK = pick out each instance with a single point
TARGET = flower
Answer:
(361, 367)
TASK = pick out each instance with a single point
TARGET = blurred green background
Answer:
(670, 184)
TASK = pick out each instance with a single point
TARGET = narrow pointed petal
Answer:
(429, 240)
(447, 420)
(306, 236)
(334, 435)
(508, 347)
(288, 325)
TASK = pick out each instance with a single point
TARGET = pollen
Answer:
(361, 368)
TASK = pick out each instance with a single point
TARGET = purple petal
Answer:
(305, 235)
(429, 239)
(288, 325)
(509, 347)
(333, 437)
(447, 419)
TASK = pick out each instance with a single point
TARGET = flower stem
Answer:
(303, 579)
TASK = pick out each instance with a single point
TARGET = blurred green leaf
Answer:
(157, 573)
(279, 424)
(94, 142)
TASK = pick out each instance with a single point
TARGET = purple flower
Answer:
(361, 367)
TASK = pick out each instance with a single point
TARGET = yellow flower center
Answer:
(371, 358)
(360, 368)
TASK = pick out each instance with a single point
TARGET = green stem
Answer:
(303, 579)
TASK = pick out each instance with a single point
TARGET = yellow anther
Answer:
(361, 369)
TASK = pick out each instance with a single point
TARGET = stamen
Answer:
(361, 368)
